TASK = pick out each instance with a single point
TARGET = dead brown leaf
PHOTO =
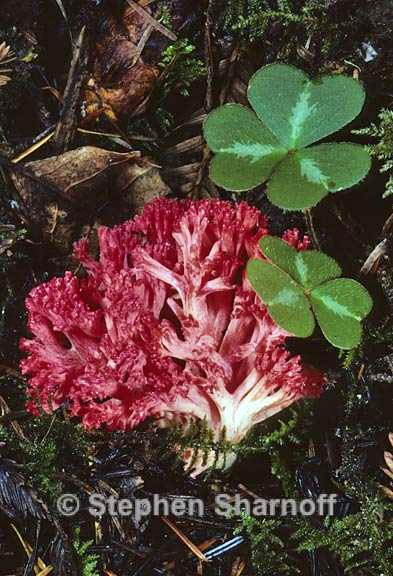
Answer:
(54, 190)
(72, 174)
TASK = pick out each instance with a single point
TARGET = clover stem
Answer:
(311, 228)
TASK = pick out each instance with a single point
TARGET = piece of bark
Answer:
(121, 78)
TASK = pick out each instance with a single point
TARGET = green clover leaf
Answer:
(287, 304)
(271, 144)
(340, 306)
(296, 286)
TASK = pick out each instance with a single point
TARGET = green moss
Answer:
(360, 541)
(252, 18)
(382, 133)
(181, 66)
(40, 466)
(52, 444)
(164, 15)
(88, 561)
(269, 552)
(316, 33)
(283, 443)
(199, 438)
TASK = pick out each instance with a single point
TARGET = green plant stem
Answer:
(311, 228)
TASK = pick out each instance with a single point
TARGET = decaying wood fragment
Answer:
(121, 78)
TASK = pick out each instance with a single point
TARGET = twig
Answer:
(370, 266)
(34, 553)
(157, 25)
(64, 14)
(238, 567)
(39, 565)
(66, 127)
(33, 148)
(46, 571)
(55, 217)
(230, 71)
(5, 409)
(142, 43)
(210, 64)
(72, 480)
(62, 10)
(194, 549)
(388, 226)
(209, 96)
(49, 428)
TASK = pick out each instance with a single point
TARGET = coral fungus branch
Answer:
(165, 325)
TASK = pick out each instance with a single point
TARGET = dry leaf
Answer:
(73, 174)
(53, 190)
(139, 183)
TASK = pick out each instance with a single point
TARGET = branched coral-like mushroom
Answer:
(165, 325)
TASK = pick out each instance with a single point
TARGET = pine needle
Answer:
(40, 568)
(62, 9)
(194, 549)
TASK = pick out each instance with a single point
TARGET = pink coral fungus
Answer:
(165, 325)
